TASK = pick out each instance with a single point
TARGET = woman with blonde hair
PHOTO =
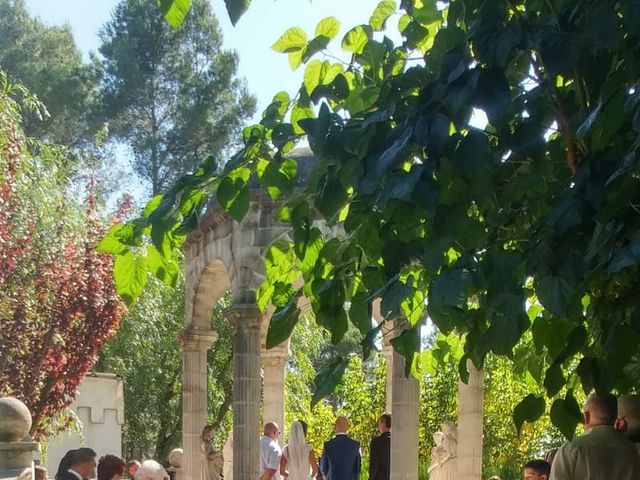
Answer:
(298, 461)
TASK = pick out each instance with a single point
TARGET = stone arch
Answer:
(209, 270)
(214, 281)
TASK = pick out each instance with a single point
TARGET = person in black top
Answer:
(380, 450)
(77, 464)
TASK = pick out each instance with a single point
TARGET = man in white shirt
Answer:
(601, 453)
(270, 452)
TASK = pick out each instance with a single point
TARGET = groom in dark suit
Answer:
(77, 464)
(341, 456)
(380, 450)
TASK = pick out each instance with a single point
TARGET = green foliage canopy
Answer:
(46, 60)
(526, 224)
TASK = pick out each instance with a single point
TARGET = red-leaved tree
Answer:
(58, 303)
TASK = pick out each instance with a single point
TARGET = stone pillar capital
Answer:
(276, 357)
(192, 339)
(244, 316)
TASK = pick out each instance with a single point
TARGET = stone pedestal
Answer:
(470, 400)
(405, 398)
(195, 344)
(246, 391)
(17, 451)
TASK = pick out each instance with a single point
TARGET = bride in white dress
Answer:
(298, 461)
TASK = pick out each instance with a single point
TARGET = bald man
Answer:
(629, 413)
(601, 453)
(341, 458)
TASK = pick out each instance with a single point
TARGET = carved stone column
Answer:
(470, 405)
(273, 364)
(387, 351)
(405, 398)
(195, 344)
(246, 319)
(405, 408)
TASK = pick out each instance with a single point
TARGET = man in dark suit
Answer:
(341, 459)
(77, 464)
(380, 450)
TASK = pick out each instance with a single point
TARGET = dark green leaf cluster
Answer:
(526, 223)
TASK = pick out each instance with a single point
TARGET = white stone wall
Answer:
(99, 406)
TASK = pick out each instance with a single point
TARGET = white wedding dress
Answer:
(297, 454)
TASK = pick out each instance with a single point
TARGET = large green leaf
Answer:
(550, 332)
(166, 269)
(382, 12)
(282, 323)
(236, 8)
(300, 112)
(331, 197)
(427, 13)
(234, 196)
(130, 275)
(276, 110)
(528, 410)
(327, 380)
(110, 243)
(328, 27)
(174, 11)
(357, 38)
(504, 332)
(566, 415)
(450, 288)
(395, 293)
(360, 312)
(554, 379)
(301, 219)
(320, 72)
(293, 40)
(625, 257)
(407, 344)
(555, 293)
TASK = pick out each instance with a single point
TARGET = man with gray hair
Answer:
(270, 452)
(601, 453)
(151, 470)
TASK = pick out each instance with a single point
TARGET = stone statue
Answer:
(211, 458)
(443, 455)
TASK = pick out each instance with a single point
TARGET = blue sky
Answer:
(266, 71)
